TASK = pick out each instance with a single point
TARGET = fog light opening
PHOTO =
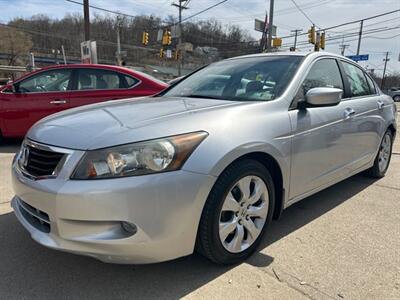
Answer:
(129, 227)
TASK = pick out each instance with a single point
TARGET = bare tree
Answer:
(14, 43)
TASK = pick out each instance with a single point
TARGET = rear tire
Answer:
(237, 212)
(382, 160)
(396, 98)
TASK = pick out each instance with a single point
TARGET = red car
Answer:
(52, 89)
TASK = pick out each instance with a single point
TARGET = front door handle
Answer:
(58, 102)
(381, 104)
(349, 112)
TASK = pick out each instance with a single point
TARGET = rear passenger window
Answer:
(130, 81)
(358, 83)
(95, 79)
(324, 73)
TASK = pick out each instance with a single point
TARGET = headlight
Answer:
(154, 156)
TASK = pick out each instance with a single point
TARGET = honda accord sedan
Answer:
(56, 88)
(205, 165)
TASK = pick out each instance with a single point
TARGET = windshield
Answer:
(261, 78)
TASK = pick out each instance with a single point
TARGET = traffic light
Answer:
(161, 53)
(322, 41)
(167, 38)
(145, 38)
(311, 35)
(276, 42)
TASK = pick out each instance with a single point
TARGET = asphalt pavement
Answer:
(342, 243)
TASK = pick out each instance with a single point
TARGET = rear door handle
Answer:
(58, 101)
(349, 112)
(381, 104)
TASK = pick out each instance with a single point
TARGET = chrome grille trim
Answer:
(57, 150)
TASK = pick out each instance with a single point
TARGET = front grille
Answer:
(37, 218)
(40, 162)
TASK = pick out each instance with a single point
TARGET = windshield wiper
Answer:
(203, 96)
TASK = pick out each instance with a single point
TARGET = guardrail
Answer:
(17, 69)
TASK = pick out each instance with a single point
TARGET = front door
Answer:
(320, 149)
(35, 97)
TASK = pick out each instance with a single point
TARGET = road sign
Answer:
(261, 26)
(359, 57)
(89, 52)
(160, 35)
(175, 32)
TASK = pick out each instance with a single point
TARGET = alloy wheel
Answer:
(384, 152)
(243, 214)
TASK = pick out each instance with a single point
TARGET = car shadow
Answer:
(10, 145)
(32, 271)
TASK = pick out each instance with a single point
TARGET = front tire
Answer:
(237, 211)
(382, 160)
(396, 98)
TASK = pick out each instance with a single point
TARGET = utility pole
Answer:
(270, 24)
(119, 58)
(63, 53)
(296, 32)
(343, 46)
(263, 42)
(181, 5)
(359, 36)
(386, 59)
(86, 19)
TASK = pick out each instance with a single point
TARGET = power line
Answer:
(133, 16)
(382, 38)
(104, 9)
(348, 23)
(283, 11)
(204, 10)
(304, 14)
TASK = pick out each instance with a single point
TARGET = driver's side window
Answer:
(48, 81)
(324, 73)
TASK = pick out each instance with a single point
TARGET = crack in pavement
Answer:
(294, 287)
(388, 187)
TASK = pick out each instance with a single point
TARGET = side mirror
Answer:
(323, 96)
(9, 88)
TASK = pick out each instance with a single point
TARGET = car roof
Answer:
(294, 53)
(125, 70)
(92, 66)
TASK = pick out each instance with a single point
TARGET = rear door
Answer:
(97, 85)
(367, 123)
(36, 97)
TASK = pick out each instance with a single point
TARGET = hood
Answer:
(124, 121)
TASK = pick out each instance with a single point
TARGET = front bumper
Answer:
(85, 216)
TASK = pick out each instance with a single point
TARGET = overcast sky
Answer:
(324, 13)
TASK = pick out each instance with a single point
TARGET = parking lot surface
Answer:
(342, 243)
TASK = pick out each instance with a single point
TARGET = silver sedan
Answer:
(205, 165)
